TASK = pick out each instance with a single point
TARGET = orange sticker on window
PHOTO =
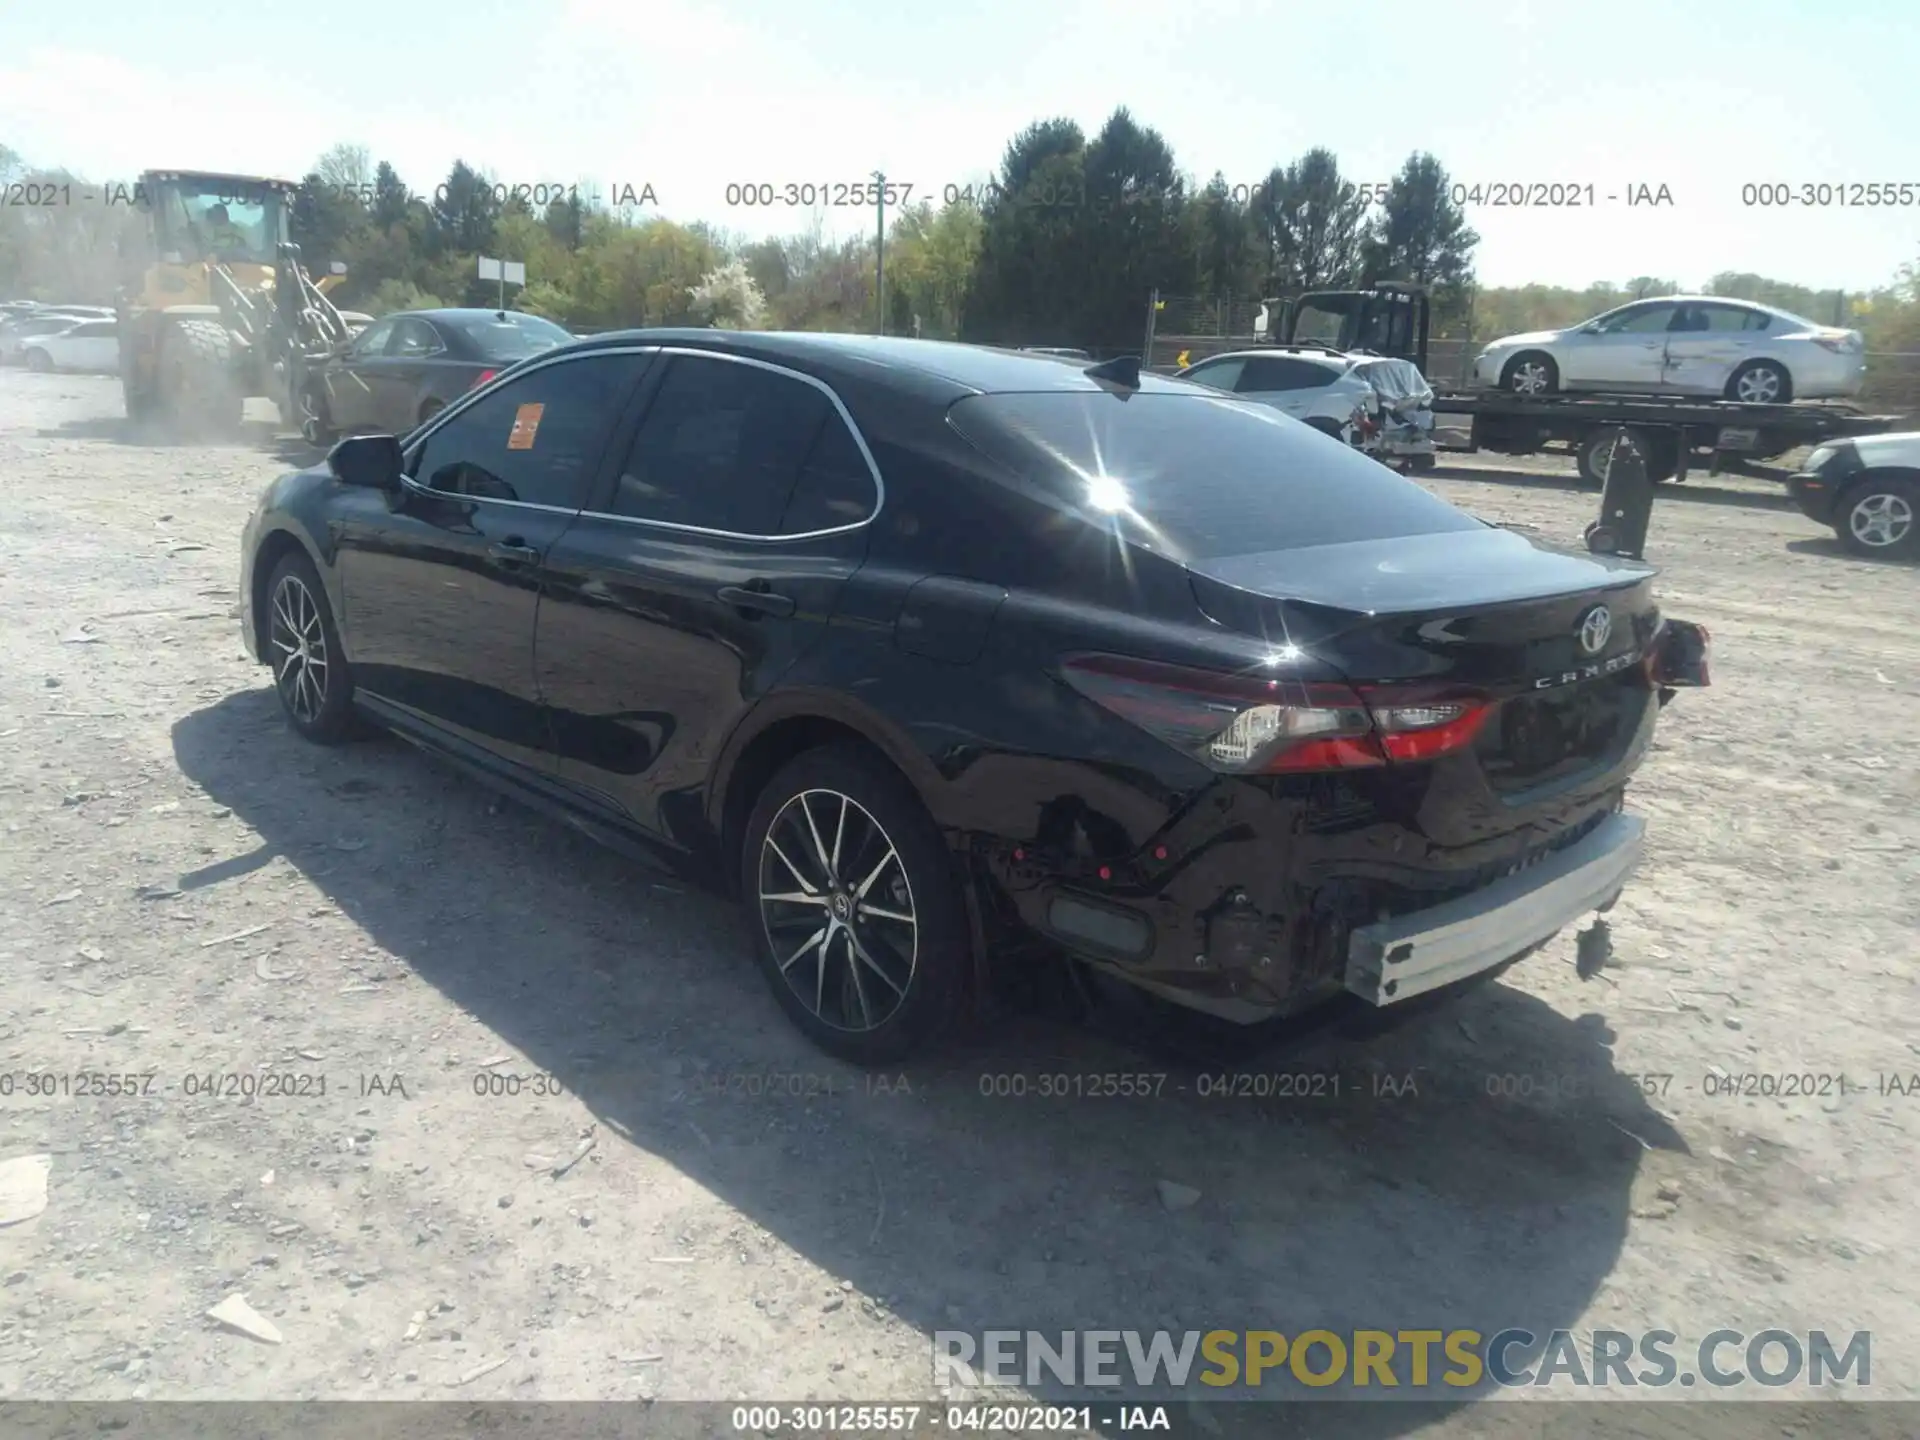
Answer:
(526, 423)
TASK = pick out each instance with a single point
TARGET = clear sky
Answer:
(1702, 97)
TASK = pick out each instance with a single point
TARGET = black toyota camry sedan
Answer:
(923, 649)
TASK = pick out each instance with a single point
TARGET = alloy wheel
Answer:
(1529, 378)
(300, 650)
(838, 910)
(1880, 520)
(1759, 386)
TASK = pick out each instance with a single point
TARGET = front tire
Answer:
(196, 376)
(1761, 382)
(310, 672)
(1531, 372)
(860, 924)
(1880, 518)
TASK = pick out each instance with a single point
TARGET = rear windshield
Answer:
(1197, 476)
(513, 338)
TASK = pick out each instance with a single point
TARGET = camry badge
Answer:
(1596, 628)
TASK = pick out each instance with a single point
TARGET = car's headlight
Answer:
(1820, 456)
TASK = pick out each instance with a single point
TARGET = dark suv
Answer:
(924, 647)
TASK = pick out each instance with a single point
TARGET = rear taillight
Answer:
(1250, 725)
(482, 378)
(1680, 656)
(1840, 342)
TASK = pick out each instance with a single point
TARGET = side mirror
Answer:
(372, 461)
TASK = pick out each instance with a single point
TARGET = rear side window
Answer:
(1283, 372)
(835, 487)
(1196, 477)
(722, 447)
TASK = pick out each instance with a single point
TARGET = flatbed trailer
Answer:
(1673, 432)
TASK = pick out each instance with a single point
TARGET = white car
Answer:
(1384, 406)
(15, 335)
(1683, 345)
(91, 345)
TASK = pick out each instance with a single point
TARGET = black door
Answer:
(710, 559)
(348, 380)
(405, 373)
(440, 588)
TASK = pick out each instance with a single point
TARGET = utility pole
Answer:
(880, 253)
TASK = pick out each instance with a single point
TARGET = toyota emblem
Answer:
(1596, 628)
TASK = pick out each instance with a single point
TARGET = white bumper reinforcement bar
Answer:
(1409, 955)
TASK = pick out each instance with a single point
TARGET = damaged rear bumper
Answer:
(1394, 960)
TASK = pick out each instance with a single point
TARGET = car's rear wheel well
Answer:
(763, 758)
(273, 550)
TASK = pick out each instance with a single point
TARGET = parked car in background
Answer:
(927, 649)
(1383, 406)
(91, 345)
(405, 368)
(1868, 490)
(1684, 345)
(15, 334)
(1311, 383)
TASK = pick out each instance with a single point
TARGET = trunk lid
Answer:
(1552, 641)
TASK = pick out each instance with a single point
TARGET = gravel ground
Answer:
(193, 894)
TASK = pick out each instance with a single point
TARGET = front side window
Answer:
(1220, 374)
(373, 340)
(722, 447)
(536, 439)
(1638, 320)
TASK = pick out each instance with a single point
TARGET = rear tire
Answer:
(1662, 453)
(1880, 517)
(1760, 382)
(310, 672)
(874, 961)
(39, 362)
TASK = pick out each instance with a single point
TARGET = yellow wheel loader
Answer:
(215, 305)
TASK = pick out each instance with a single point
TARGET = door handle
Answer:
(513, 551)
(757, 598)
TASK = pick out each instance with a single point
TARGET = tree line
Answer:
(1062, 246)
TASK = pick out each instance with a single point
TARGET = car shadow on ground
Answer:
(148, 434)
(1698, 488)
(1474, 1169)
(1828, 547)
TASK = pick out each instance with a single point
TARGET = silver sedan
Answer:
(1683, 345)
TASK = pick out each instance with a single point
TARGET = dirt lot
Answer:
(192, 893)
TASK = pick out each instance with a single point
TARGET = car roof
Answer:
(933, 368)
(461, 312)
(1332, 358)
